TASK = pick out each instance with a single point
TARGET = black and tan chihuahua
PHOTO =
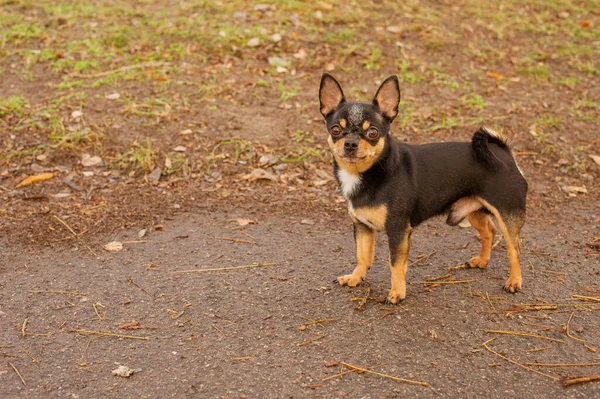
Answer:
(393, 187)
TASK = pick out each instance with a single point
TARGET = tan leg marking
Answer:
(511, 237)
(365, 247)
(485, 226)
(398, 269)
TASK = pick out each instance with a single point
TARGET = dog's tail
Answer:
(482, 137)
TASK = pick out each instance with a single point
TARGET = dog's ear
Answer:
(330, 94)
(388, 97)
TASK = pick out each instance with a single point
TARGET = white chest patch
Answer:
(349, 182)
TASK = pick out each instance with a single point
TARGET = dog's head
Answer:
(358, 131)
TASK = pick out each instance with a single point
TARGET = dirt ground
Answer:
(188, 120)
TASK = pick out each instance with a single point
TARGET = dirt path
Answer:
(240, 333)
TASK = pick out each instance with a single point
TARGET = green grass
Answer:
(538, 73)
(13, 105)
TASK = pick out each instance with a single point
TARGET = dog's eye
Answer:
(372, 133)
(336, 130)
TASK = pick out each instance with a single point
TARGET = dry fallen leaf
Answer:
(244, 222)
(114, 246)
(35, 179)
(87, 160)
(596, 158)
(575, 189)
(258, 174)
(124, 371)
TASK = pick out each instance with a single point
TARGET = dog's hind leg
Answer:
(510, 223)
(482, 221)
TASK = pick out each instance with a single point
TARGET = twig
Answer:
(553, 272)
(562, 364)
(60, 292)
(538, 349)
(17, 371)
(423, 258)
(445, 282)
(363, 302)
(109, 334)
(312, 340)
(517, 363)
(241, 358)
(151, 64)
(567, 381)
(130, 281)
(567, 329)
(96, 310)
(226, 268)
(24, 328)
(424, 384)
(341, 373)
(487, 296)
(74, 234)
(523, 334)
(236, 240)
(586, 298)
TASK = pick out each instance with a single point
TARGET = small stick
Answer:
(241, 358)
(6, 346)
(341, 373)
(25, 351)
(109, 334)
(96, 310)
(218, 329)
(445, 282)
(567, 330)
(517, 363)
(10, 355)
(130, 281)
(492, 306)
(423, 258)
(537, 349)
(440, 277)
(24, 328)
(577, 380)
(311, 340)
(553, 272)
(236, 240)
(151, 64)
(74, 234)
(424, 384)
(60, 292)
(461, 266)
(562, 364)
(363, 302)
(524, 334)
(17, 371)
(586, 298)
(226, 268)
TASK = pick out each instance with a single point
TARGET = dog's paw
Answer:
(477, 262)
(351, 280)
(395, 296)
(513, 285)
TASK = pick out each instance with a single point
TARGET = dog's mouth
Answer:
(353, 159)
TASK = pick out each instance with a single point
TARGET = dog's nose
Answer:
(350, 145)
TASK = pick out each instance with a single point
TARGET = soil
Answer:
(281, 327)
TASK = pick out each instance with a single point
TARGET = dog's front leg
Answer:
(364, 238)
(399, 240)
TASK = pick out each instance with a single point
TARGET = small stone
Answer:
(89, 161)
(154, 176)
(76, 114)
(180, 148)
(113, 96)
(276, 37)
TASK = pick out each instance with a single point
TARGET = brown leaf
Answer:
(244, 222)
(258, 174)
(114, 246)
(596, 158)
(332, 363)
(35, 179)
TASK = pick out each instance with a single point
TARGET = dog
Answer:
(393, 187)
